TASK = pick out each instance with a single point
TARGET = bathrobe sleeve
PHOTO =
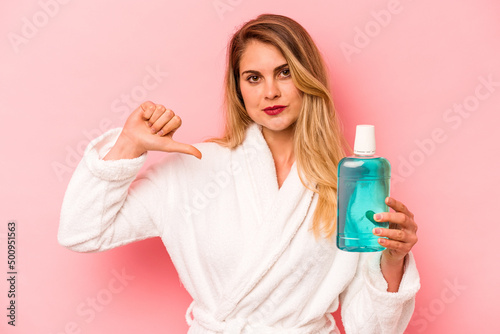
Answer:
(100, 209)
(366, 305)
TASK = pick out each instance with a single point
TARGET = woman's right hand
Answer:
(149, 128)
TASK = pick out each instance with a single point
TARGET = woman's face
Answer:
(270, 96)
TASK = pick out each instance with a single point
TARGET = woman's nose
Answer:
(272, 90)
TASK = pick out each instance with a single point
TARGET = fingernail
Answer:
(382, 240)
(150, 124)
(160, 133)
(388, 200)
(153, 130)
(378, 216)
(377, 231)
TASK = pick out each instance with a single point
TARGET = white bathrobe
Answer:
(242, 246)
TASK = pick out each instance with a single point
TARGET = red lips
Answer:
(274, 110)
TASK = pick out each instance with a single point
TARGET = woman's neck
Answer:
(281, 145)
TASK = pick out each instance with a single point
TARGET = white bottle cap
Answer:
(364, 143)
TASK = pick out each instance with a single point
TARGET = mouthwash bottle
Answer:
(363, 185)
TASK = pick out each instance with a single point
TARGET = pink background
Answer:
(66, 68)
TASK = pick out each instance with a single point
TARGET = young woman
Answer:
(249, 227)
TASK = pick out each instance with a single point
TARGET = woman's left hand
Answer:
(401, 234)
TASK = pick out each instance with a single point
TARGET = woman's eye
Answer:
(253, 78)
(285, 73)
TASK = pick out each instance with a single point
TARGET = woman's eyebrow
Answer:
(276, 70)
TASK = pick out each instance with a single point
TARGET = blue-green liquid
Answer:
(363, 185)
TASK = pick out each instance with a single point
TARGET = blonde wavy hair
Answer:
(318, 142)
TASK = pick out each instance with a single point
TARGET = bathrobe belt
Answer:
(206, 320)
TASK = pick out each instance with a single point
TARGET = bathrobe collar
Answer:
(281, 212)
